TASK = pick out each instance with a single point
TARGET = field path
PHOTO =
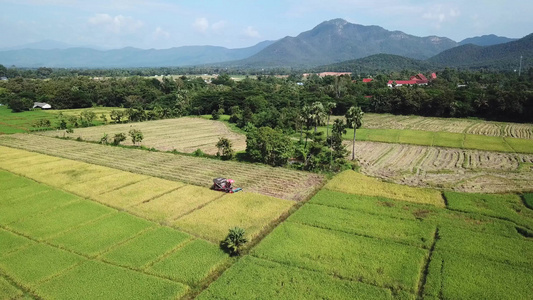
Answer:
(276, 182)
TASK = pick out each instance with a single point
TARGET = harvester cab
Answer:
(224, 185)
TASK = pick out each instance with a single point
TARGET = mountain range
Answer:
(335, 43)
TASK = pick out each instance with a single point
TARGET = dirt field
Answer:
(469, 126)
(276, 182)
(457, 169)
(183, 134)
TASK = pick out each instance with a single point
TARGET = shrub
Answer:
(234, 241)
(118, 138)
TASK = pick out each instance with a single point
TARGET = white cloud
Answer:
(117, 25)
(439, 15)
(159, 33)
(201, 25)
(251, 32)
(218, 26)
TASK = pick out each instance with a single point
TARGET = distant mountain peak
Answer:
(486, 40)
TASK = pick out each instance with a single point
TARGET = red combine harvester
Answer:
(225, 185)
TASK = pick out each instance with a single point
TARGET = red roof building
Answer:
(366, 80)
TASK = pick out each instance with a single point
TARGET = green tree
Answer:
(225, 150)
(354, 119)
(329, 109)
(338, 130)
(117, 115)
(20, 104)
(104, 140)
(269, 146)
(118, 138)
(234, 241)
(316, 114)
(136, 136)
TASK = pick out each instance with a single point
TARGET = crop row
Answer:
(387, 121)
(276, 182)
(63, 246)
(372, 247)
(183, 134)
(197, 210)
(463, 170)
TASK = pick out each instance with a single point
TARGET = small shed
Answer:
(41, 105)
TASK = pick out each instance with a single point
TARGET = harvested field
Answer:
(282, 183)
(457, 169)
(468, 126)
(184, 134)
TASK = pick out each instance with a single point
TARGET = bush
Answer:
(118, 138)
(198, 153)
(234, 242)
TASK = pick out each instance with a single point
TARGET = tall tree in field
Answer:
(329, 109)
(225, 150)
(354, 119)
(316, 113)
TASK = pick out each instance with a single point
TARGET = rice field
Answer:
(356, 183)
(467, 126)
(185, 134)
(197, 210)
(74, 248)
(457, 169)
(282, 183)
(342, 245)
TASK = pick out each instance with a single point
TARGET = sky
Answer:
(161, 24)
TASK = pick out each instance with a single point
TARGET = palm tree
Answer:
(354, 118)
(316, 113)
(329, 108)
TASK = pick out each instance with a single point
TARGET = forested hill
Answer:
(502, 56)
(378, 63)
(125, 57)
(338, 40)
(486, 40)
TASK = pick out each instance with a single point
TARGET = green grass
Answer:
(490, 143)
(528, 200)
(252, 278)
(146, 247)
(8, 291)
(191, 263)
(368, 260)
(36, 263)
(374, 205)
(96, 280)
(11, 242)
(31, 200)
(448, 139)
(507, 207)
(95, 238)
(473, 245)
(44, 225)
(23, 121)
(457, 277)
(519, 145)
(414, 233)
(439, 138)
(355, 183)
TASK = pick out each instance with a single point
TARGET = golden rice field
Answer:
(355, 183)
(457, 169)
(185, 134)
(275, 182)
(468, 126)
(196, 210)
